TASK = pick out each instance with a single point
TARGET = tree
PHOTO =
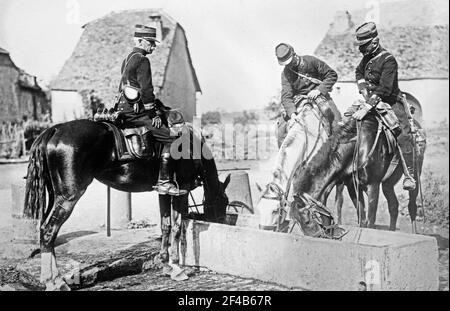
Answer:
(273, 109)
(246, 118)
(211, 117)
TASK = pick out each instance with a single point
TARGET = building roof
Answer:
(416, 33)
(3, 51)
(95, 63)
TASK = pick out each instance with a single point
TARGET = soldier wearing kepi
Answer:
(138, 106)
(303, 75)
(377, 80)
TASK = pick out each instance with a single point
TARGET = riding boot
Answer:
(166, 184)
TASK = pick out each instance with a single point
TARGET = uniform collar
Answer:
(378, 51)
(139, 50)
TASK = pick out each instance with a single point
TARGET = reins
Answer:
(311, 204)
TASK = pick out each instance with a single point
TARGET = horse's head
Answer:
(223, 198)
(216, 204)
(314, 219)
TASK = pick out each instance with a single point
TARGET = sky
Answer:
(232, 42)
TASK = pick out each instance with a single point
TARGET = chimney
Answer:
(349, 20)
(155, 21)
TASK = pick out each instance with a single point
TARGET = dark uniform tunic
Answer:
(380, 72)
(292, 85)
(138, 73)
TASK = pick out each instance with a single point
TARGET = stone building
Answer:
(20, 93)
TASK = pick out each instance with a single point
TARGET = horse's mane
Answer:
(327, 155)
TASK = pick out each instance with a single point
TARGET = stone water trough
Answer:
(384, 260)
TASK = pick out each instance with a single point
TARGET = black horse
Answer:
(334, 164)
(67, 157)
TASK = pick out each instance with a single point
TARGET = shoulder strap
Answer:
(125, 67)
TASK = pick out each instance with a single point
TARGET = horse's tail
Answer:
(37, 177)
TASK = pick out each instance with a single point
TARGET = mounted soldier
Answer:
(308, 120)
(377, 80)
(139, 109)
(303, 76)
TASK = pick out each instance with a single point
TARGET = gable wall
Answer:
(179, 87)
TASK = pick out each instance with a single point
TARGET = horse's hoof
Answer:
(178, 274)
(57, 285)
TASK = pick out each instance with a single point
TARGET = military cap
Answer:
(284, 53)
(145, 32)
(365, 33)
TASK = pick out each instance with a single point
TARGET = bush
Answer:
(436, 198)
(32, 129)
(211, 117)
(273, 109)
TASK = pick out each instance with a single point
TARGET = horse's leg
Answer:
(61, 210)
(389, 193)
(178, 233)
(360, 213)
(373, 192)
(412, 204)
(412, 208)
(165, 212)
(184, 207)
(339, 201)
(179, 204)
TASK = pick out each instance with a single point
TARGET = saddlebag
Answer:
(388, 118)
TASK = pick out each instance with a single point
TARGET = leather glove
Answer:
(156, 122)
(362, 112)
(313, 94)
(149, 106)
(364, 93)
(136, 108)
(373, 100)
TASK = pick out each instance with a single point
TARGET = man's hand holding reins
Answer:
(313, 94)
(362, 112)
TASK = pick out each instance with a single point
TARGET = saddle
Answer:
(133, 143)
(136, 142)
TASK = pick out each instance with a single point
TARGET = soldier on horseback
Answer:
(377, 80)
(309, 118)
(139, 108)
(303, 75)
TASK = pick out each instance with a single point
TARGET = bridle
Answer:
(317, 209)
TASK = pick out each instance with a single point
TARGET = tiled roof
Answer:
(416, 34)
(95, 63)
(3, 51)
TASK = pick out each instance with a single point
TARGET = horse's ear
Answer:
(226, 182)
